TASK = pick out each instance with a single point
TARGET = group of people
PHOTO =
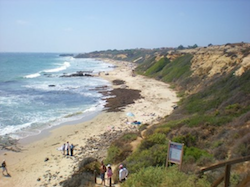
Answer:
(123, 173)
(67, 148)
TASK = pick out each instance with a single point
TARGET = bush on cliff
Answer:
(120, 149)
(84, 176)
(160, 176)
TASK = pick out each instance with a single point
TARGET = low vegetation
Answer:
(212, 121)
(84, 176)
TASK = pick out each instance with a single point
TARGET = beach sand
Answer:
(28, 167)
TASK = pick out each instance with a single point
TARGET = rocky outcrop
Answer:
(214, 60)
(245, 66)
(79, 74)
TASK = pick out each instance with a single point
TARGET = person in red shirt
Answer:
(102, 172)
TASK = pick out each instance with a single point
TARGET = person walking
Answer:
(123, 173)
(109, 174)
(103, 170)
(4, 167)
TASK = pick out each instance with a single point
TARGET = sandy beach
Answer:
(28, 167)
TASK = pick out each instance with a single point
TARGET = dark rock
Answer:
(64, 55)
(79, 74)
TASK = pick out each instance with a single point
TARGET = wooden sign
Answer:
(175, 153)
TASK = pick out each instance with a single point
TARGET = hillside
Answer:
(212, 118)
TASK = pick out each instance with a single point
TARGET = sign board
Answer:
(175, 152)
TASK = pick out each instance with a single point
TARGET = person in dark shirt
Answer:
(4, 167)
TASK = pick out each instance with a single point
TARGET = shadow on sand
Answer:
(7, 175)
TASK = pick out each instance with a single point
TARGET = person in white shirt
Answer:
(67, 148)
(123, 173)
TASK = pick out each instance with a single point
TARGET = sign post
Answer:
(175, 153)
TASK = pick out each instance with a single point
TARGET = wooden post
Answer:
(168, 154)
(181, 157)
(227, 175)
(95, 176)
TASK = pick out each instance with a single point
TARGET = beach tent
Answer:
(130, 114)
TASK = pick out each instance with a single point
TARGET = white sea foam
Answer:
(34, 105)
(12, 129)
(32, 75)
(63, 67)
(40, 122)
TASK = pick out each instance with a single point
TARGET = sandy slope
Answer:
(28, 165)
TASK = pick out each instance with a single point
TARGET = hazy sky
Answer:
(89, 25)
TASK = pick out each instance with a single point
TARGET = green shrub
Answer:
(233, 109)
(120, 148)
(162, 177)
(235, 179)
(194, 152)
(187, 140)
(179, 179)
(181, 94)
(201, 119)
(113, 152)
(148, 177)
(154, 156)
(129, 137)
(163, 130)
(84, 176)
(156, 138)
(217, 144)
(174, 123)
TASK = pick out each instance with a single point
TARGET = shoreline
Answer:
(27, 166)
(46, 132)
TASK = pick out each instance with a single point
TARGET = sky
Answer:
(77, 26)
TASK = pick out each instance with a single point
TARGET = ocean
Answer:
(34, 96)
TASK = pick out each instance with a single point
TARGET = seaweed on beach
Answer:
(121, 98)
(118, 82)
(8, 143)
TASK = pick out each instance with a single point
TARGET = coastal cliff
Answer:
(212, 118)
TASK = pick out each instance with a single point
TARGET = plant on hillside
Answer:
(177, 70)
(156, 67)
(154, 156)
(162, 177)
(120, 149)
(156, 138)
(195, 153)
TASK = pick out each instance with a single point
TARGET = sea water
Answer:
(34, 95)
